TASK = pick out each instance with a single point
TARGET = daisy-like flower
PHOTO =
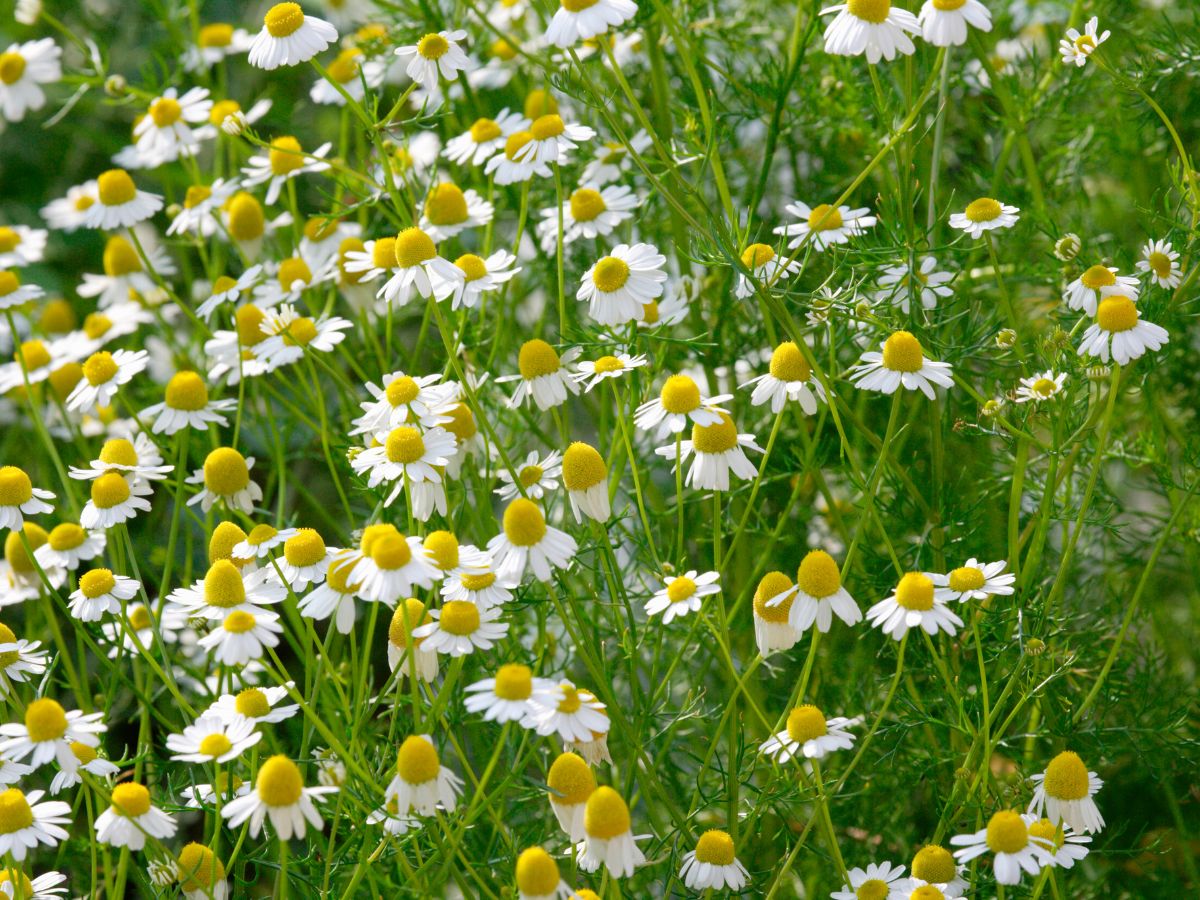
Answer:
(682, 594)
(449, 210)
(306, 559)
(934, 864)
(186, 405)
(508, 696)
(480, 276)
(405, 457)
(283, 161)
(552, 139)
(1096, 283)
(403, 399)
(100, 592)
(484, 138)
(112, 502)
(576, 21)
(824, 225)
(574, 714)
(242, 636)
(1120, 331)
(212, 739)
(809, 734)
(527, 542)
(165, 132)
(393, 823)
(766, 266)
(119, 204)
(1066, 846)
(916, 889)
(390, 565)
(68, 546)
(229, 290)
(335, 593)
(817, 595)
(279, 793)
(49, 885)
(1158, 260)
(789, 377)
(18, 659)
(418, 269)
(131, 818)
(349, 70)
(420, 663)
(214, 43)
(873, 28)
(677, 405)
(618, 286)
(585, 476)
(1015, 849)
(1043, 386)
(944, 23)
(200, 874)
(437, 53)
(290, 335)
(421, 783)
(543, 377)
(288, 38)
(914, 603)
(460, 627)
(590, 212)
(225, 588)
(21, 245)
(713, 865)
(984, 214)
(571, 782)
(538, 877)
(506, 168)
(900, 283)
(975, 581)
(19, 498)
(86, 760)
(772, 629)
(608, 835)
(258, 705)
(226, 479)
(125, 274)
(1076, 48)
(716, 450)
(878, 880)
(138, 461)
(480, 584)
(13, 293)
(103, 373)
(67, 213)
(24, 68)
(201, 208)
(47, 733)
(25, 823)
(591, 373)
(1065, 791)
(901, 364)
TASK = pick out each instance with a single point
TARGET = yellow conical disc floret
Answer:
(1066, 777)
(225, 537)
(442, 548)
(225, 472)
(606, 815)
(772, 585)
(417, 760)
(818, 575)
(131, 799)
(408, 615)
(583, 467)
(715, 847)
(718, 438)
(537, 358)
(915, 591)
(806, 723)
(524, 524)
(570, 780)
(279, 782)
(934, 864)
(514, 682)
(537, 873)
(198, 869)
(1007, 833)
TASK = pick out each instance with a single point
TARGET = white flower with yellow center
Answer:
(481, 586)
(450, 557)
(508, 696)
(212, 739)
(13, 293)
(279, 794)
(258, 705)
(901, 364)
(418, 269)
(389, 817)
(984, 214)
(619, 285)
(141, 628)
(916, 889)
(21, 245)
(49, 885)
(544, 376)
(576, 21)
(348, 70)
(113, 500)
(484, 138)
(823, 226)
(613, 159)
(817, 595)
(1065, 791)
(538, 877)
(103, 373)
(291, 335)
(528, 543)
(306, 558)
(419, 662)
(574, 714)
(716, 450)
(900, 284)
(138, 460)
(713, 865)
(1076, 47)
(164, 133)
(975, 581)
(608, 835)
(25, 823)
(247, 224)
(1161, 263)
(390, 565)
(766, 266)
(678, 405)
(1043, 386)
(33, 361)
(421, 783)
(944, 23)
(229, 290)
(571, 782)
(1096, 283)
(1008, 838)
(878, 881)
(505, 167)
(593, 372)
(436, 54)
(1067, 847)
(372, 261)
(226, 479)
(125, 274)
(590, 212)
(403, 399)
(186, 405)
(19, 498)
(479, 276)
(201, 207)
(551, 140)
(335, 592)
(809, 734)
(66, 213)
(100, 592)
(913, 604)
(19, 659)
(289, 37)
(404, 457)
(119, 204)
(47, 733)
(873, 28)
(934, 864)
(449, 210)
(585, 476)
(682, 594)
(1120, 331)
(261, 542)
(283, 161)
(199, 873)
(225, 588)
(460, 628)
(24, 68)
(68, 545)
(772, 629)
(789, 377)
(213, 44)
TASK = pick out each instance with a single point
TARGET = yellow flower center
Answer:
(1045, 387)
(225, 472)
(285, 155)
(949, 5)
(460, 617)
(7, 637)
(902, 353)
(915, 591)
(15, 486)
(680, 589)
(873, 889)
(299, 332)
(279, 782)
(246, 221)
(96, 583)
(222, 110)
(33, 355)
(9, 239)
(1085, 43)
(826, 217)
(586, 205)
(442, 549)
(570, 779)
(1116, 313)
(14, 548)
(502, 49)
(462, 424)
(186, 391)
(515, 142)
(99, 368)
(405, 445)
(12, 67)
(283, 19)
(715, 847)
(717, 438)
(539, 103)
(446, 204)
(199, 869)
(260, 534)
(1160, 264)
(120, 258)
(757, 255)
(139, 618)
(873, 11)
(83, 752)
(484, 130)
(15, 814)
(927, 892)
(252, 703)
(1066, 777)
(292, 270)
(217, 744)
(934, 864)
(608, 364)
(1049, 832)
(537, 358)
(344, 69)
(772, 585)
(1006, 833)
(223, 585)
(478, 582)
(818, 575)
(45, 720)
(610, 274)
(109, 490)
(583, 467)
(966, 578)
(789, 364)
(115, 187)
(57, 316)
(577, 5)
(411, 613)
(679, 395)
(239, 622)
(66, 536)
(524, 524)
(413, 247)
(547, 126)
(417, 760)
(219, 34)
(196, 194)
(606, 816)
(391, 552)
(472, 266)
(433, 46)
(304, 548)
(985, 209)
(248, 319)
(537, 873)
(224, 538)
(224, 283)
(1097, 277)
(806, 723)
(165, 111)
(514, 682)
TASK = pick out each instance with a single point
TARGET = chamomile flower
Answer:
(713, 865)
(288, 38)
(823, 226)
(418, 269)
(1076, 47)
(125, 274)
(393, 823)
(608, 835)
(873, 28)
(419, 661)
(283, 161)
(49, 885)
(528, 543)
(789, 377)
(817, 595)
(212, 739)
(766, 266)
(480, 584)
(19, 498)
(591, 373)
(983, 215)
(1066, 846)
(934, 864)
(13, 293)
(68, 546)
(112, 502)
(225, 476)
(772, 629)
(138, 460)
(390, 565)
(613, 159)
(258, 705)
(202, 204)
(67, 213)
(200, 874)
(226, 588)
(279, 794)
(47, 733)
(103, 373)
(901, 364)
(1161, 263)
(1007, 837)
(682, 594)
(590, 212)
(306, 558)
(24, 68)
(552, 139)
(405, 457)
(900, 284)
(186, 405)
(507, 696)
(86, 760)
(229, 290)
(975, 581)
(716, 450)
(917, 889)
(165, 133)
(678, 404)
(576, 21)
(1043, 386)
(506, 168)
(19, 659)
(119, 204)
(21, 245)
(484, 138)
(538, 877)
(585, 476)
(809, 734)
(25, 823)
(544, 377)
(619, 285)
(460, 627)
(571, 782)
(436, 54)
(913, 604)
(944, 23)
(291, 335)
(131, 818)
(348, 71)
(1096, 283)
(403, 399)
(261, 542)
(574, 714)
(449, 210)
(1065, 791)
(100, 592)
(1120, 332)
(421, 783)
(215, 42)
(877, 880)
(241, 636)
